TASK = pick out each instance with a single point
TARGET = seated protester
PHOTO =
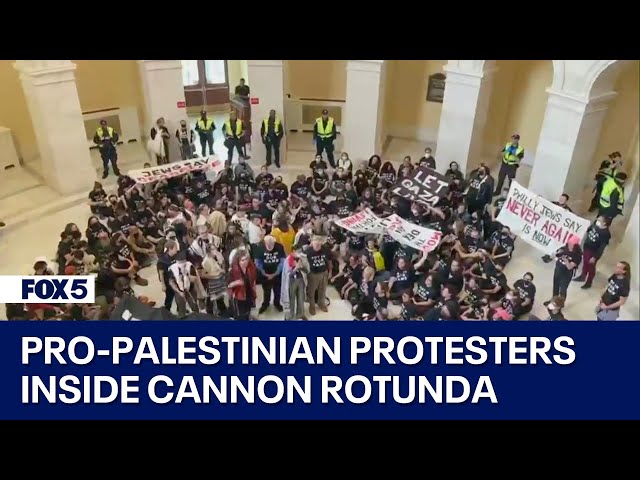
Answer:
(350, 193)
(200, 246)
(508, 306)
(426, 294)
(263, 180)
(406, 163)
(342, 277)
(142, 214)
(344, 162)
(300, 190)
(153, 234)
(76, 266)
(240, 218)
(282, 213)
(121, 222)
(388, 173)
(202, 193)
(491, 220)
(388, 246)
(113, 201)
(303, 215)
(499, 284)
(94, 229)
(353, 280)
(243, 167)
(402, 278)
(361, 183)
(401, 206)
(125, 183)
(450, 311)
(467, 249)
(479, 310)
(122, 287)
(143, 250)
(355, 242)
(526, 290)
(187, 285)
(418, 214)
(404, 172)
(280, 189)
(244, 202)
(374, 165)
(454, 173)
(119, 266)
(408, 310)
(203, 215)
(334, 240)
(367, 287)
(367, 196)
(319, 183)
(64, 253)
(447, 293)
(473, 222)
(98, 199)
(380, 301)
(163, 206)
(255, 232)
(503, 247)
(244, 184)
(376, 260)
(318, 165)
(472, 294)
(437, 217)
(226, 193)
(338, 181)
(341, 207)
(427, 160)
(451, 274)
(259, 209)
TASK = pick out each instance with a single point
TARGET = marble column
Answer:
(362, 115)
(163, 97)
(52, 99)
(463, 118)
(568, 140)
(267, 93)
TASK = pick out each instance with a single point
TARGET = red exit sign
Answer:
(182, 104)
(255, 101)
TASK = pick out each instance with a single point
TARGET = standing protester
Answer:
(478, 193)
(512, 155)
(294, 286)
(324, 134)
(242, 285)
(159, 142)
(233, 130)
(427, 160)
(186, 284)
(269, 259)
(596, 240)
(271, 133)
(562, 202)
(106, 138)
(612, 196)
(568, 259)
(616, 294)
(186, 138)
(205, 127)
(608, 168)
(319, 259)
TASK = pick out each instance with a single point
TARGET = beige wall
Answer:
(236, 69)
(14, 113)
(518, 102)
(407, 112)
(320, 79)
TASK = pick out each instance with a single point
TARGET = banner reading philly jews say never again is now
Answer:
(406, 233)
(538, 221)
(211, 164)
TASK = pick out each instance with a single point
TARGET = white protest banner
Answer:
(364, 223)
(538, 221)
(424, 185)
(153, 174)
(411, 235)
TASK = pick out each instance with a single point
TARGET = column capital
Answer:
(264, 63)
(463, 77)
(160, 64)
(372, 66)
(44, 72)
(567, 101)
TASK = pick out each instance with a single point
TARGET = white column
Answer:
(52, 99)
(163, 97)
(463, 117)
(568, 140)
(362, 114)
(267, 93)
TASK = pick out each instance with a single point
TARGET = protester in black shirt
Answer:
(340, 279)
(503, 247)
(452, 275)
(562, 202)
(320, 183)
(526, 290)
(98, 199)
(447, 293)
(402, 278)
(427, 160)
(300, 190)
(355, 242)
(361, 182)
(479, 192)
(380, 301)
(364, 309)
(341, 207)
(388, 173)
(408, 310)
(616, 293)
(499, 285)
(374, 164)
(165, 260)
(568, 259)
(596, 240)
(426, 294)
(269, 260)
(318, 164)
(338, 181)
(472, 293)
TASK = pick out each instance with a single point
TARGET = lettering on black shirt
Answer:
(318, 260)
(616, 288)
(271, 259)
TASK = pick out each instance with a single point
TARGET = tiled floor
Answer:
(19, 247)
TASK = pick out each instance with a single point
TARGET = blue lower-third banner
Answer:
(320, 370)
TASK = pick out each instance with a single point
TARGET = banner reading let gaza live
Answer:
(423, 186)
(319, 370)
(153, 174)
(538, 221)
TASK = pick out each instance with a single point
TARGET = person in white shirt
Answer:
(203, 215)
(240, 217)
(303, 236)
(200, 245)
(255, 231)
(186, 283)
(345, 163)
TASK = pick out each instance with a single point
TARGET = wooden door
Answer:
(206, 83)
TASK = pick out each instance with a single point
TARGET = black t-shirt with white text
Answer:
(318, 260)
(270, 259)
(616, 288)
(525, 291)
(404, 279)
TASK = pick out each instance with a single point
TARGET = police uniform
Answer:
(608, 169)
(205, 127)
(234, 137)
(271, 133)
(511, 157)
(324, 133)
(611, 198)
(106, 138)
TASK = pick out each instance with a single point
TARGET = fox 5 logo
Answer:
(48, 289)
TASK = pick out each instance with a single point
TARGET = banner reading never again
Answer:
(538, 221)
(153, 174)
(424, 186)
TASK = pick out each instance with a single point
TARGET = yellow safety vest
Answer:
(276, 126)
(205, 125)
(608, 188)
(511, 159)
(100, 132)
(239, 129)
(325, 132)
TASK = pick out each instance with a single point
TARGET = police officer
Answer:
(608, 168)
(512, 154)
(324, 134)
(612, 196)
(205, 127)
(271, 133)
(233, 130)
(106, 138)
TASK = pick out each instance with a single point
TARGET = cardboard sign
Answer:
(181, 104)
(538, 221)
(255, 101)
(153, 174)
(363, 223)
(424, 186)
(414, 236)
